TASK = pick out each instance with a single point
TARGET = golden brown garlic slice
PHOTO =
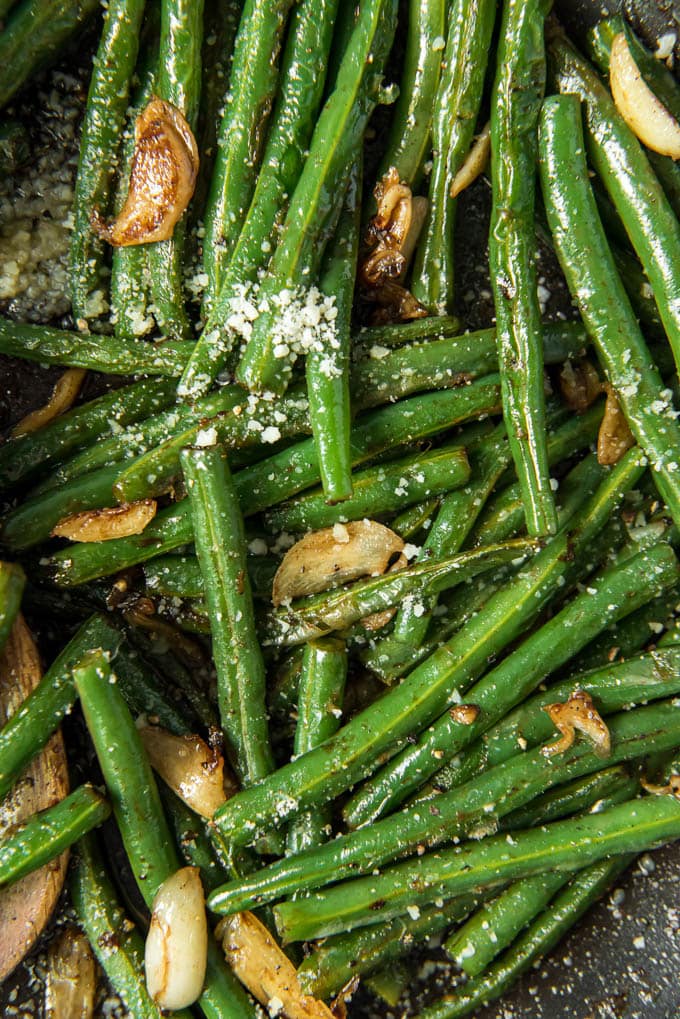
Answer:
(62, 399)
(333, 556)
(107, 524)
(262, 966)
(192, 769)
(577, 712)
(162, 178)
(71, 983)
(614, 437)
(475, 162)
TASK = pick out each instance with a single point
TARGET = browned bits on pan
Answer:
(580, 384)
(162, 178)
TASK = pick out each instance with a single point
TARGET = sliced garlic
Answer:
(162, 178)
(267, 972)
(330, 557)
(614, 437)
(107, 524)
(192, 769)
(62, 399)
(176, 949)
(577, 712)
(644, 113)
(475, 162)
(71, 980)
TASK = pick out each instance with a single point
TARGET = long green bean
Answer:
(456, 108)
(116, 942)
(178, 82)
(12, 583)
(609, 596)
(333, 149)
(107, 102)
(408, 140)
(588, 885)
(319, 710)
(33, 843)
(327, 369)
(593, 281)
(253, 82)
(562, 845)
(24, 456)
(518, 91)
(220, 545)
(138, 813)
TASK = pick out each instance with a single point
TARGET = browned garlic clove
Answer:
(192, 769)
(162, 178)
(71, 982)
(176, 950)
(333, 556)
(107, 524)
(62, 399)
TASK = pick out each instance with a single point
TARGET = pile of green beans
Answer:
(391, 771)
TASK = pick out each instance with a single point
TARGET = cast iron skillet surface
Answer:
(621, 961)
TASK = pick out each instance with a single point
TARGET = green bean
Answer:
(397, 334)
(549, 927)
(33, 843)
(456, 109)
(107, 102)
(618, 158)
(456, 516)
(167, 430)
(242, 132)
(115, 941)
(594, 283)
(518, 91)
(130, 311)
(319, 709)
(31, 726)
(220, 546)
(12, 583)
(34, 35)
(144, 694)
(461, 812)
(609, 596)
(316, 615)
(139, 816)
(23, 456)
(594, 792)
(415, 519)
(378, 490)
(384, 726)
(408, 140)
(333, 148)
(98, 353)
(240, 421)
(452, 361)
(178, 82)
(334, 962)
(327, 369)
(621, 642)
(191, 836)
(562, 845)
(178, 576)
(303, 73)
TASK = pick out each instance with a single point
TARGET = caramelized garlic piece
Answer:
(162, 178)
